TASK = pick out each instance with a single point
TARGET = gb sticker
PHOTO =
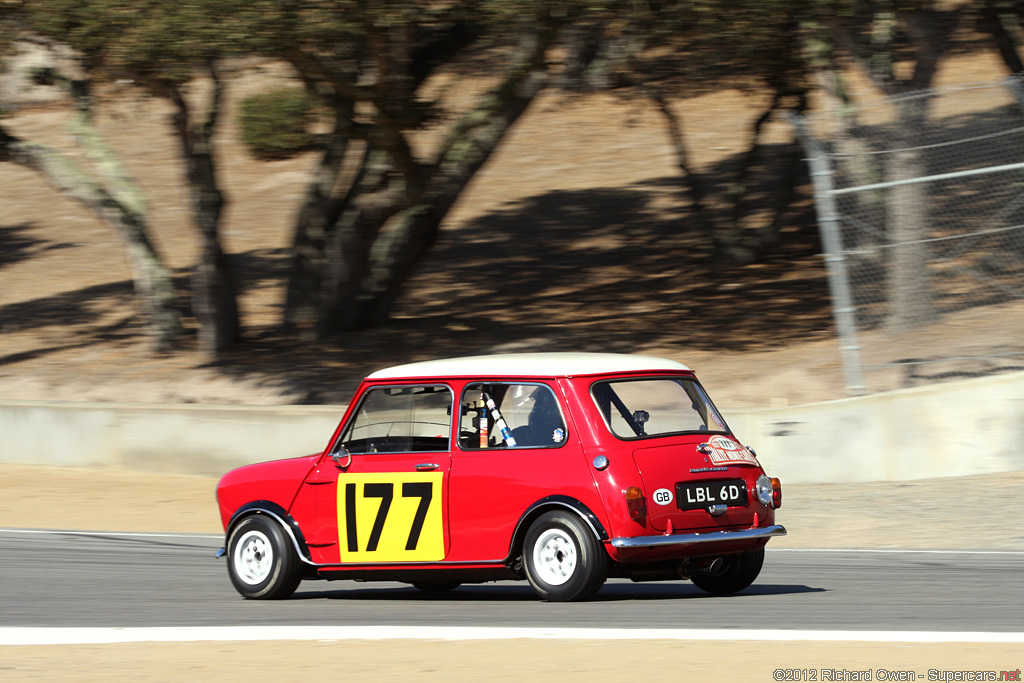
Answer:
(662, 496)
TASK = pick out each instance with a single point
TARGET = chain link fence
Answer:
(920, 202)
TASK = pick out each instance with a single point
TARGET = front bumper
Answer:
(680, 540)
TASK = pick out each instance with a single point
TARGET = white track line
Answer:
(178, 634)
(126, 534)
(893, 551)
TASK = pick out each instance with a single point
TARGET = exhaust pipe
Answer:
(701, 568)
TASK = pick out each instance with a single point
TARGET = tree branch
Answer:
(209, 124)
(1000, 20)
(522, 81)
(311, 64)
(120, 184)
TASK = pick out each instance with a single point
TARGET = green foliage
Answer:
(274, 125)
(153, 42)
(8, 11)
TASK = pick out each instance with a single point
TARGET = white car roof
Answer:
(530, 365)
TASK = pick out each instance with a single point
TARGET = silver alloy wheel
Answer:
(254, 557)
(555, 557)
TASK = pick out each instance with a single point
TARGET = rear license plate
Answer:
(693, 496)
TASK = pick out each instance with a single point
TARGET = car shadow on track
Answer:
(611, 592)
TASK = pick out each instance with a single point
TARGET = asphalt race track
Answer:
(119, 580)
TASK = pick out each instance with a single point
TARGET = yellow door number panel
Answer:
(390, 517)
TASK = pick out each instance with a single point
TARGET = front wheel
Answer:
(563, 559)
(262, 562)
(739, 573)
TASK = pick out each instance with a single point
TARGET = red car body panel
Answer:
(673, 460)
(487, 492)
(276, 482)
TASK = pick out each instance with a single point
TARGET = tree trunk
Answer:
(377, 196)
(583, 43)
(999, 18)
(409, 234)
(317, 215)
(122, 210)
(910, 297)
(334, 234)
(214, 299)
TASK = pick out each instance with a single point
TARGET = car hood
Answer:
(276, 481)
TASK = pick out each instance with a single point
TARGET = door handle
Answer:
(426, 466)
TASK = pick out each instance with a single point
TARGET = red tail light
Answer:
(776, 493)
(636, 504)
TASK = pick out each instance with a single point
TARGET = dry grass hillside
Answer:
(573, 237)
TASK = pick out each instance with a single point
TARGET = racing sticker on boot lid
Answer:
(724, 451)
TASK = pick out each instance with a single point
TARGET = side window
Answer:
(406, 419)
(503, 415)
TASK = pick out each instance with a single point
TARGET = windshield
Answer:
(637, 408)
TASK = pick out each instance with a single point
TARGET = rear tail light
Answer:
(776, 493)
(636, 504)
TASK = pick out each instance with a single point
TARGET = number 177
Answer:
(424, 490)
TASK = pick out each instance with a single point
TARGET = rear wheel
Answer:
(563, 559)
(739, 573)
(262, 561)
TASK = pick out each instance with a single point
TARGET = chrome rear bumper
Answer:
(691, 539)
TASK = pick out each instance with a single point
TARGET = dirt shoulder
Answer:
(915, 514)
(509, 660)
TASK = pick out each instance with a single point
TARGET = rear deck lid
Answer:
(685, 478)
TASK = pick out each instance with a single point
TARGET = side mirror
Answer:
(339, 453)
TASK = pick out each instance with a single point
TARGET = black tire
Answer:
(262, 561)
(436, 586)
(740, 572)
(564, 561)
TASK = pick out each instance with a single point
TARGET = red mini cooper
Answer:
(561, 468)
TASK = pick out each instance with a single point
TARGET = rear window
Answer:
(639, 408)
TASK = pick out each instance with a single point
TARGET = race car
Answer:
(563, 469)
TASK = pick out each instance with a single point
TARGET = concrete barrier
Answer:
(207, 440)
(951, 429)
(967, 427)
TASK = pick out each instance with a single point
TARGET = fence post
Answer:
(835, 260)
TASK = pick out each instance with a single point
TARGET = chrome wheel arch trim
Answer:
(550, 502)
(290, 526)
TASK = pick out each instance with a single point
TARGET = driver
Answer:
(544, 425)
